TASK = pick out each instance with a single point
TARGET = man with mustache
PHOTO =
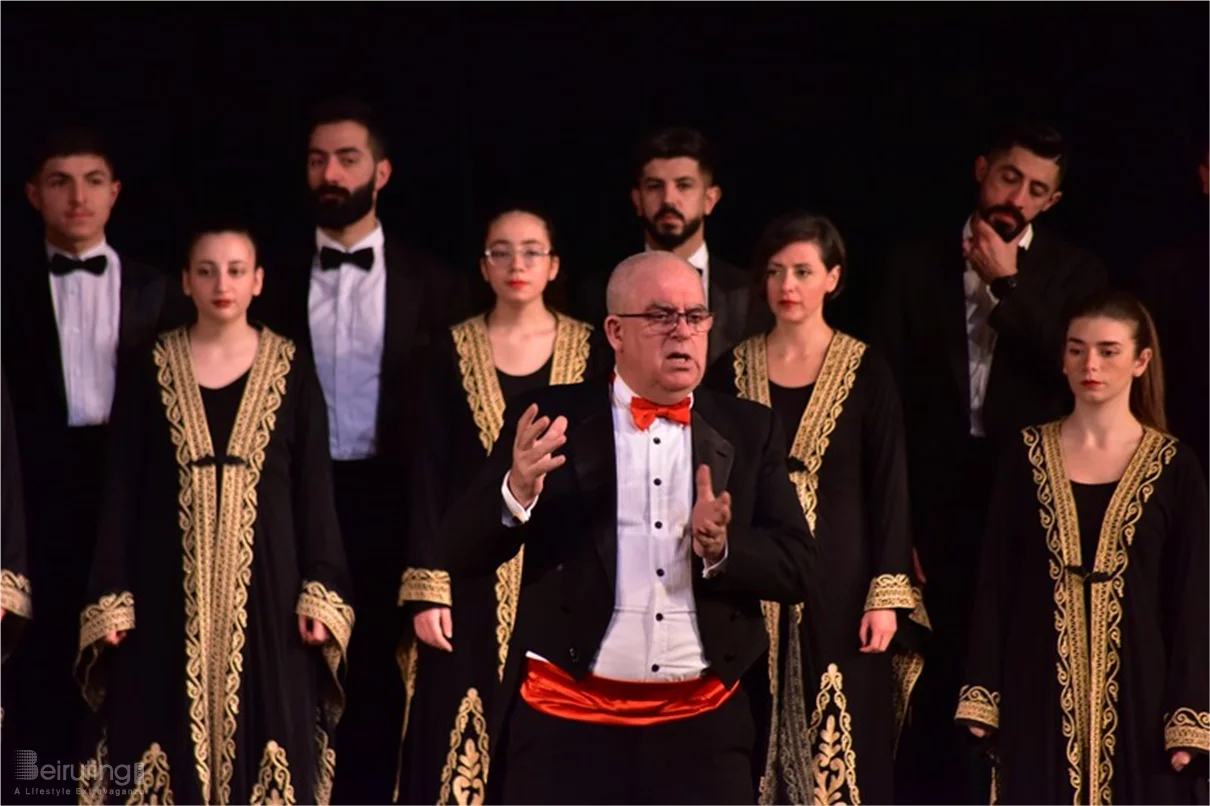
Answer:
(364, 305)
(654, 517)
(73, 307)
(973, 328)
(674, 191)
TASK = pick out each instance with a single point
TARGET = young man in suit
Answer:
(364, 306)
(972, 323)
(73, 307)
(654, 517)
(674, 191)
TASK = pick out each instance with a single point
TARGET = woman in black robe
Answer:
(464, 625)
(214, 643)
(1087, 674)
(847, 669)
(15, 589)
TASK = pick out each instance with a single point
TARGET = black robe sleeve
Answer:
(110, 597)
(979, 696)
(326, 593)
(884, 469)
(16, 593)
(1186, 603)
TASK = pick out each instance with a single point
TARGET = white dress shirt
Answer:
(347, 313)
(700, 260)
(980, 337)
(88, 314)
(653, 635)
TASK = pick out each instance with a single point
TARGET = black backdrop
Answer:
(870, 113)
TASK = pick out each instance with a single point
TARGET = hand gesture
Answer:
(435, 626)
(711, 516)
(312, 631)
(1180, 759)
(877, 629)
(989, 255)
(532, 458)
(115, 638)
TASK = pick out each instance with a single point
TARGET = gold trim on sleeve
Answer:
(217, 538)
(569, 361)
(317, 602)
(978, 704)
(113, 612)
(466, 766)
(273, 787)
(890, 592)
(16, 594)
(425, 585)
(1187, 729)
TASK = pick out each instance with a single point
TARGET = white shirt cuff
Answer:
(514, 513)
(717, 568)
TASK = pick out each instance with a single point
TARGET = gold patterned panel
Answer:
(273, 787)
(155, 779)
(113, 612)
(1186, 729)
(326, 757)
(16, 594)
(94, 784)
(890, 592)
(217, 538)
(1089, 653)
(830, 740)
(906, 668)
(425, 585)
(486, 401)
(465, 773)
(978, 704)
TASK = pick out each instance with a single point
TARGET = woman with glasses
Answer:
(455, 654)
(838, 676)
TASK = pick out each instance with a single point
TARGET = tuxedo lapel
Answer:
(712, 449)
(402, 310)
(728, 300)
(137, 315)
(41, 325)
(592, 453)
(952, 316)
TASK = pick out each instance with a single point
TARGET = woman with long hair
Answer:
(454, 655)
(1088, 674)
(213, 645)
(841, 670)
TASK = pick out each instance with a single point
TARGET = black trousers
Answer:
(702, 759)
(369, 507)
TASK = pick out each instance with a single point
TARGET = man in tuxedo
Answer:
(973, 324)
(363, 305)
(674, 192)
(654, 518)
(73, 307)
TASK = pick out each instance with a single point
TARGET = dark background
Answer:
(870, 113)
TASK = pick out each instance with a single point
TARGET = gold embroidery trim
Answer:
(772, 614)
(1186, 728)
(1089, 654)
(273, 787)
(890, 592)
(466, 766)
(155, 784)
(425, 585)
(113, 612)
(978, 704)
(830, 739)
(94, 784)
(16, 594)
(327, 768)
(906, 668)
(569, 361)
(217, 539)
(317, 602)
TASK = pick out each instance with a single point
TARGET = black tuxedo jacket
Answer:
(422, 298)
(570, 570)
(151, 301)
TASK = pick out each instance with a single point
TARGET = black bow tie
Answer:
(330, 258)
(62, 265)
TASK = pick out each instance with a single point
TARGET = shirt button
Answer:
(659, 524)
(656, 440)
(655, 667)
(659, 572)
(659, 616)
(657, 482)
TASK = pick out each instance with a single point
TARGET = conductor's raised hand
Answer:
(533, 454)
(711, 517)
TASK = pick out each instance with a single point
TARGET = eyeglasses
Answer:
(665, 320)
(501, 256)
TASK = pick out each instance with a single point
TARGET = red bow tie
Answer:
(644, 412)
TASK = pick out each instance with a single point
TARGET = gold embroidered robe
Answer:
(211, 546)
(446, 754)
(1088, 657)
(838, 712)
